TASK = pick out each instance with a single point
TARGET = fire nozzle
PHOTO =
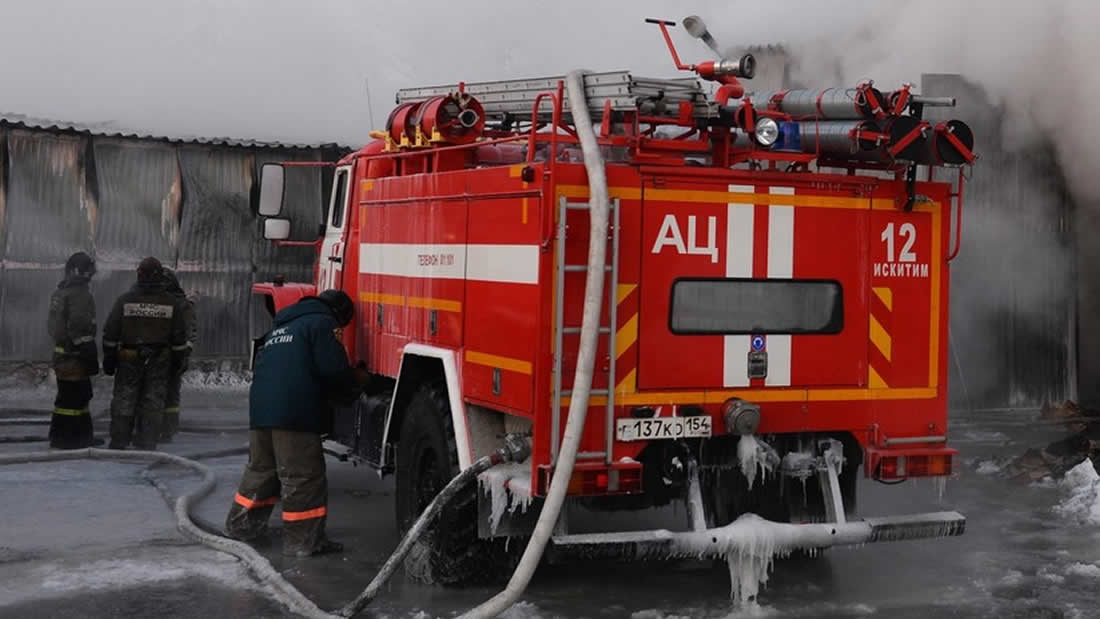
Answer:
(724, 71)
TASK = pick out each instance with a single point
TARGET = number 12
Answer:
(907, 231)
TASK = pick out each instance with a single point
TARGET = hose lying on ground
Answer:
(23, 439)
(25, 421)
(598, 209)
(283, 592)
(205, 525)
(210, 535)
(506, 454)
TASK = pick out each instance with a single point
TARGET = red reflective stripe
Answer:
(248, 503)
(306, 515)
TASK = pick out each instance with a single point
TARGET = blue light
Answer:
(789, 137)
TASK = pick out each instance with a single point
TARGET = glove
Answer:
(110, 363)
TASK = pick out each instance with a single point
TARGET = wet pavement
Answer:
(93, 539)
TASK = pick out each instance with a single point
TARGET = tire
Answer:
(452, 554)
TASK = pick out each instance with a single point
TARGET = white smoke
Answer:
(1036, 59)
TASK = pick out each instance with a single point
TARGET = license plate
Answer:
(658, 428)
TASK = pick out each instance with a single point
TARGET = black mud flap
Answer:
(359, 427)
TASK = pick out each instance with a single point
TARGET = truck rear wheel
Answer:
(451, 552)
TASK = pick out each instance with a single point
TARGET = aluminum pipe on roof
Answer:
(826, 104)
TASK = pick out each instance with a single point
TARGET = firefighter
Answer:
(145, 339)
(170, 421)
(301, 367)
(71, 325)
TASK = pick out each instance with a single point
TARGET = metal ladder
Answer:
(561, 330)
(619, 89)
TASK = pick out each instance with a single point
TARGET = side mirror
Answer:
(276, 229)
(271, 190)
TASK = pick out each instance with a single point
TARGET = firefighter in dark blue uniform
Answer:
(300, 368)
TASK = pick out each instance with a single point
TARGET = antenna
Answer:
(370, 104)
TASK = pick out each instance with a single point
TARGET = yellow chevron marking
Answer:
(880, 338)
(627, 384)
(626, 336)
(886, 296)
(623, 292)
(874, 380)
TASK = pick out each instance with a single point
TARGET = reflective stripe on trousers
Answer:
(308, 514)
(72, 412)
(248, 503)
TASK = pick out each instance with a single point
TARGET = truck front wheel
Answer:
(450, 552)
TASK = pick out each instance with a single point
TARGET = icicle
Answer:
(752, 456)
(509, 489)
(940, 484)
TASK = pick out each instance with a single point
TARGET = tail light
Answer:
(903, 463)
(596, 479)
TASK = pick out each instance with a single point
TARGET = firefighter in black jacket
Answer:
(75, 360)
(145, 339)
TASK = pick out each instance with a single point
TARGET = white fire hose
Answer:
(209, 535)
(586, 356)
(283, 592)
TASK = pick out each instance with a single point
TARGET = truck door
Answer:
(331, 258)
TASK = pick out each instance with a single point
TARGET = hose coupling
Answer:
(516, 448)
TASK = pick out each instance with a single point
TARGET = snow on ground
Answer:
(754, 611)
(220, 380)
(1084, 570)
(141, 566)
(1083, 501)
(988, 467)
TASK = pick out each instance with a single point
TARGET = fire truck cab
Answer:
(775, 302)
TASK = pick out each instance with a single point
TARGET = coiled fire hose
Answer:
(586, 356)
(282, 591)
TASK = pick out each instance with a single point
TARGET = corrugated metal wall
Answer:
(121, 199)
(1013, 285)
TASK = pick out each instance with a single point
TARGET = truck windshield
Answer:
(756, 306)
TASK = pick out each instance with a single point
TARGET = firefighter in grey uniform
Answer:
(170, 422)
(145, 340)
(71, 325)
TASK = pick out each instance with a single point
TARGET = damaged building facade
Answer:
(121, 197)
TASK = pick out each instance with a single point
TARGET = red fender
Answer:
(282, 295)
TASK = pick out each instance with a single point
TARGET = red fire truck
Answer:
(776, 268)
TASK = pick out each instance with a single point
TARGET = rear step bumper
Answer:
(755, 535)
